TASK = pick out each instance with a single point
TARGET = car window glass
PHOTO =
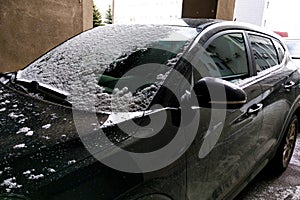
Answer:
(280, 50)
(264, 52)
(226, 57)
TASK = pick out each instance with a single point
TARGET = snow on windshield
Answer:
(76, 65)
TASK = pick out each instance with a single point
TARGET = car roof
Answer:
(219, 25)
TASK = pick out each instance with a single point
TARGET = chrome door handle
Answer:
(255, 108)
(289, 84)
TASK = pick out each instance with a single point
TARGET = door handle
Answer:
(289, 84)
(255, 108)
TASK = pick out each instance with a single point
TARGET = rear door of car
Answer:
(222, 155)
(278, 78)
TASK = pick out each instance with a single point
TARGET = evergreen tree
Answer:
(108, 16)
(97, 21)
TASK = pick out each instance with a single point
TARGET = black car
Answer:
(191, 110)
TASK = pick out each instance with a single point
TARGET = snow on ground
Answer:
(296, 156)
(285, 187)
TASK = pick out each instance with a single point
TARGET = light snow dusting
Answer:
(76, 65)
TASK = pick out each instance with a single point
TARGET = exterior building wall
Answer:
(87, 14)
(225, 9)
(30, 28)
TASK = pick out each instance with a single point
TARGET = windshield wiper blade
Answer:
(31, 87)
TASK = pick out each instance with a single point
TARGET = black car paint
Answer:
(88, 178)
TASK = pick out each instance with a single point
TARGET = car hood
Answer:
(39, 141)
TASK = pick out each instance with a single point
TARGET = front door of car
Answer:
(222, 153)
(278, 78)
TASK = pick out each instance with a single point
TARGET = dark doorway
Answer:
(199, 8)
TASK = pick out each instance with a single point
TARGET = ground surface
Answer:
(285, 187)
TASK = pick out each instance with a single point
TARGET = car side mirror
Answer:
(218, 93)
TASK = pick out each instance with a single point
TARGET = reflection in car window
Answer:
(264, 52)
(225, 58)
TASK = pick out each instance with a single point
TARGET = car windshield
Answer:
(294, 48)
(112, 68)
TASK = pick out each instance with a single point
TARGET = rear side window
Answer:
(265, 54)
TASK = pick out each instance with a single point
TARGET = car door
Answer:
(278, 78)
(222, 153)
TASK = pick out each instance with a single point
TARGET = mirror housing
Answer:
(217, 93)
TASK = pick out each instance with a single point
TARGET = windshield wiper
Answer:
(33, 88)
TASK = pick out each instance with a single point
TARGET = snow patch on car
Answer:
(10, 183)
(51, 170)
(47, 126)
(14, 115)
(71, 162)
(29, 133)
(35, 177)
(20, 146)
(23, 130)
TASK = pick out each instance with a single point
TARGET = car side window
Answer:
(228, 56)
(265, 54)
(280, 50)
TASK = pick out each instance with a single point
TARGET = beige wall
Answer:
(29, 28)
(225, 9)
